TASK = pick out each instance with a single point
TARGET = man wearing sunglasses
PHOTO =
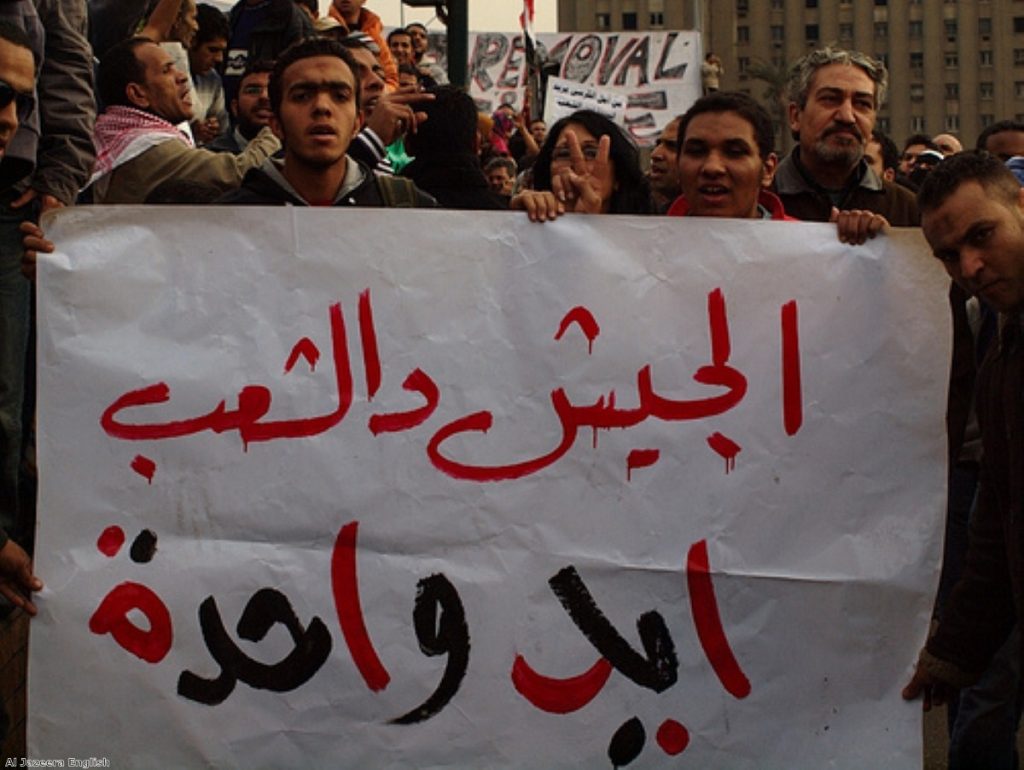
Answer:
(17, 83)
(46, 143)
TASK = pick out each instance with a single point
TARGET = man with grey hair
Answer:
(834, 97)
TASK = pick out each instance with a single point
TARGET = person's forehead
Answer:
(153, 56)
(581, 133)
(217, 42)
(1004, 140)
(915, 148)
(845, 77)
(967, 204)
(720, 125)
(670, 130)
(16, 64)
(364, 57)
(254, 78)
(318, 68)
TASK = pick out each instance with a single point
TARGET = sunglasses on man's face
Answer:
(24, 103)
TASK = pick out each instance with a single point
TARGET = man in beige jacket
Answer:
(138, 146)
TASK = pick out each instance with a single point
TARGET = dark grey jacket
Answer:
(53, 152)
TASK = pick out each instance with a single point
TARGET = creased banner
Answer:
(656, 75)
(338, 488)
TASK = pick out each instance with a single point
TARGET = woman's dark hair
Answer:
(632, 194)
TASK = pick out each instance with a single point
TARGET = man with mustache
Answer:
(138, 146)
(834, 99)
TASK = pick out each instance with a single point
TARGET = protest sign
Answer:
(338, 488)
(655, 74)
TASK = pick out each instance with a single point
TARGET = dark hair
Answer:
(998, 128)
(396, 32)
(744, 106)
(307, 49)
(632, 195)
(450, 126)
(256, 67)
(890, 152)
(920, 139)
(17, 36)
(119, 67)
(969, 166)
(412, 24)
(213, 24)
(502, 162)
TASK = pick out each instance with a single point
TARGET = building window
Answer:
(778, 34)
(984, 26)
(917, 124)
(811, 33)
(916, 29)
(987, 120)
(741, 7)
(846, 31)
(884, 125)
(987, 90)
(881, 29)
(881, 2)
(1018, 24)
(743, 34)
(917, 92)
(778, 5)
(952, 60)
(657, 19)
(952, 90)
(883, 58)
(952, 123)
(1018, 55)
(916, 60)
(811, 3)
(629, 20)
(743, 62)
(604, 22)
(985, 58)
(1018, 89)
(951, 30)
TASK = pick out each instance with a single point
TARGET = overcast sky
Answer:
(484, 15)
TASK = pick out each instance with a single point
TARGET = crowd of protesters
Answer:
(273, 104)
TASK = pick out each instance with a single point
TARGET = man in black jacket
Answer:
(314, 97)
(260, 29)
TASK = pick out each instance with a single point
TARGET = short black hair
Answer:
(213, 24)
(998, 128)
(119, 67)
(396, 32)
(890, 152)
(450, 126)
(920, 139)
(744, 106)
(969, 166)
(504, 162)
(307, 49)
(17, 36)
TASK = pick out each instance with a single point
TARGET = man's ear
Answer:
(794, 117)
(768, 170)
(137, 95)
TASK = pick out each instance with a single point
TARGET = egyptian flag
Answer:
(526, 22)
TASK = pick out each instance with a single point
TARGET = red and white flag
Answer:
(526, 22)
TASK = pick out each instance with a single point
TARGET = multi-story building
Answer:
(953, 66)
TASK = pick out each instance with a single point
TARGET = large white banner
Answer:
(359, 488)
